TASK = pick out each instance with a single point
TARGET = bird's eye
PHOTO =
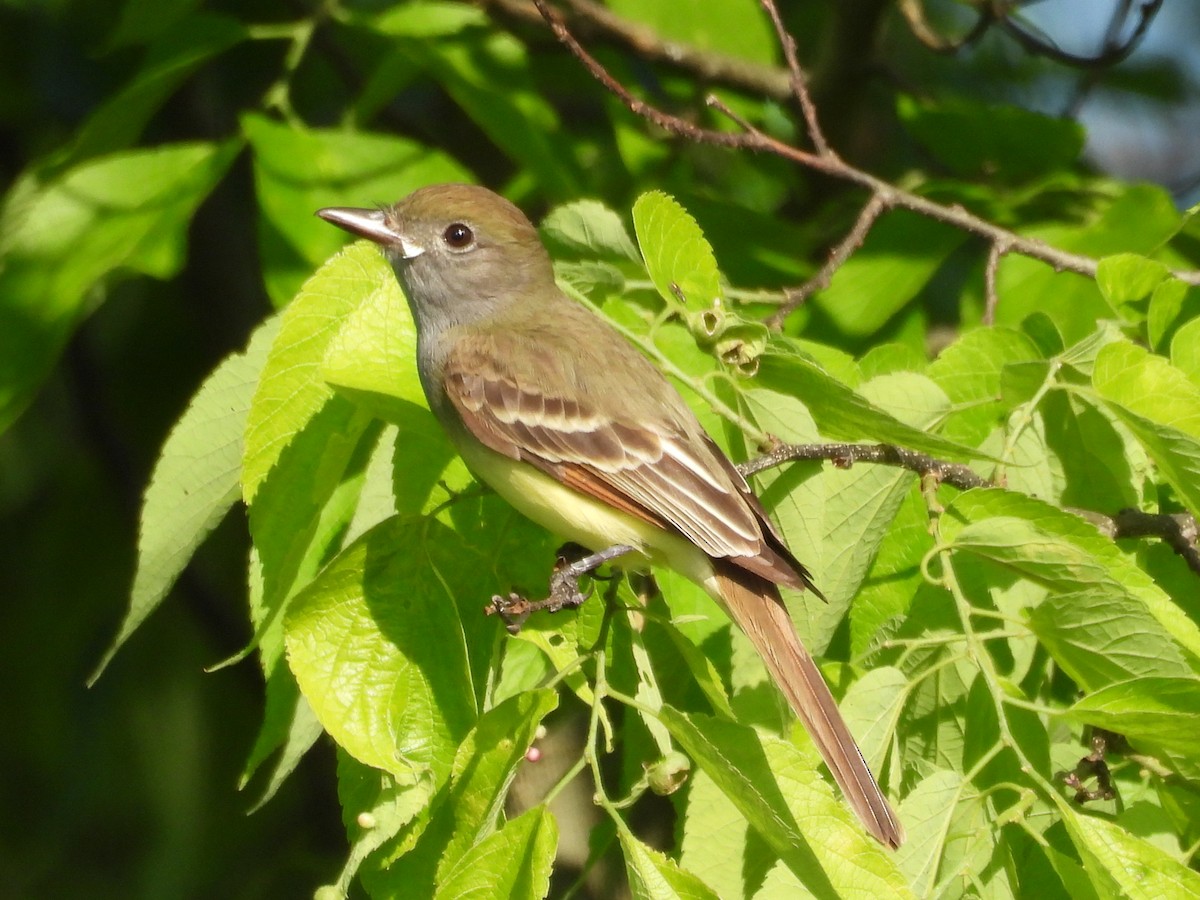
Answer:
(458, 236)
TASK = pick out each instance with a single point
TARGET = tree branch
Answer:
(824, 160)
(845, 455)
(798, 81)
(1115, 49)
(796, 297)
(914, 13)
(1180, 531)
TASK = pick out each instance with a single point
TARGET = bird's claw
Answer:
(514, 609)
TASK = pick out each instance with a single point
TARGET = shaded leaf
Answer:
(298, 172)
(59, 241)
(195, 481)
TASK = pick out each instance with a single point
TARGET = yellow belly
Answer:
(583, 519)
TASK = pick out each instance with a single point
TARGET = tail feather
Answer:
(754, 604)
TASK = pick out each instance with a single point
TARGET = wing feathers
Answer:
(658, 470)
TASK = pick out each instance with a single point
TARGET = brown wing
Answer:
(655, 470)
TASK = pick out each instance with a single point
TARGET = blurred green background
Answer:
(130, 788)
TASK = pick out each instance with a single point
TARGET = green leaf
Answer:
(943, 818)
(653, 876)
(1044, 333)
(837, 522)
(872, 707)
(300, 436)
(716, 844)
(1121, 865)
(1100, 638)
(1081, 356)
(376, 500)
(677, 256)
(1031, 469)
(61, 240)
(895, 574)
(1185, 350)
(485, 766)
(1138, 219)
(593, 279)
(426, 470)
(697, 667)
(1172, 304)
(590, 228)
(840, 412)
(298, 172)
(470, 806)
(379, 815)
(888, 359)
(377, 647)
(996, 142)
(292, 389)
(1161, 406)
(1128, 278)
(305, 502)
(523, 668)
(777, 789)
(1106, 619)
(194, 483)
(1136, 380)
(489, 76)
(900, 255)
(1103, 467)
(374, 351)
(970, 372)
(288, 723)
(512, 862)
(736, 27)
(428, 19)
(1152, 712)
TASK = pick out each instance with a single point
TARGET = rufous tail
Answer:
(754, 604)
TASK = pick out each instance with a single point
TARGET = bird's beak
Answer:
(374, 226)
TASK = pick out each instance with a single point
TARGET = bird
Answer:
(565, 419)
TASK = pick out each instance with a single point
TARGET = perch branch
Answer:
(1179, 531)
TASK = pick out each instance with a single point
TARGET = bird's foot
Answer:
(573, 563)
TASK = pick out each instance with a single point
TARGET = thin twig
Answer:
(1115, 48)
(1179, 531)
(799, 82)
(991, 297)
(796, 297)
(845, 455)
(914, 13)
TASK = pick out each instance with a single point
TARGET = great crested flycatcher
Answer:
(555, 410)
